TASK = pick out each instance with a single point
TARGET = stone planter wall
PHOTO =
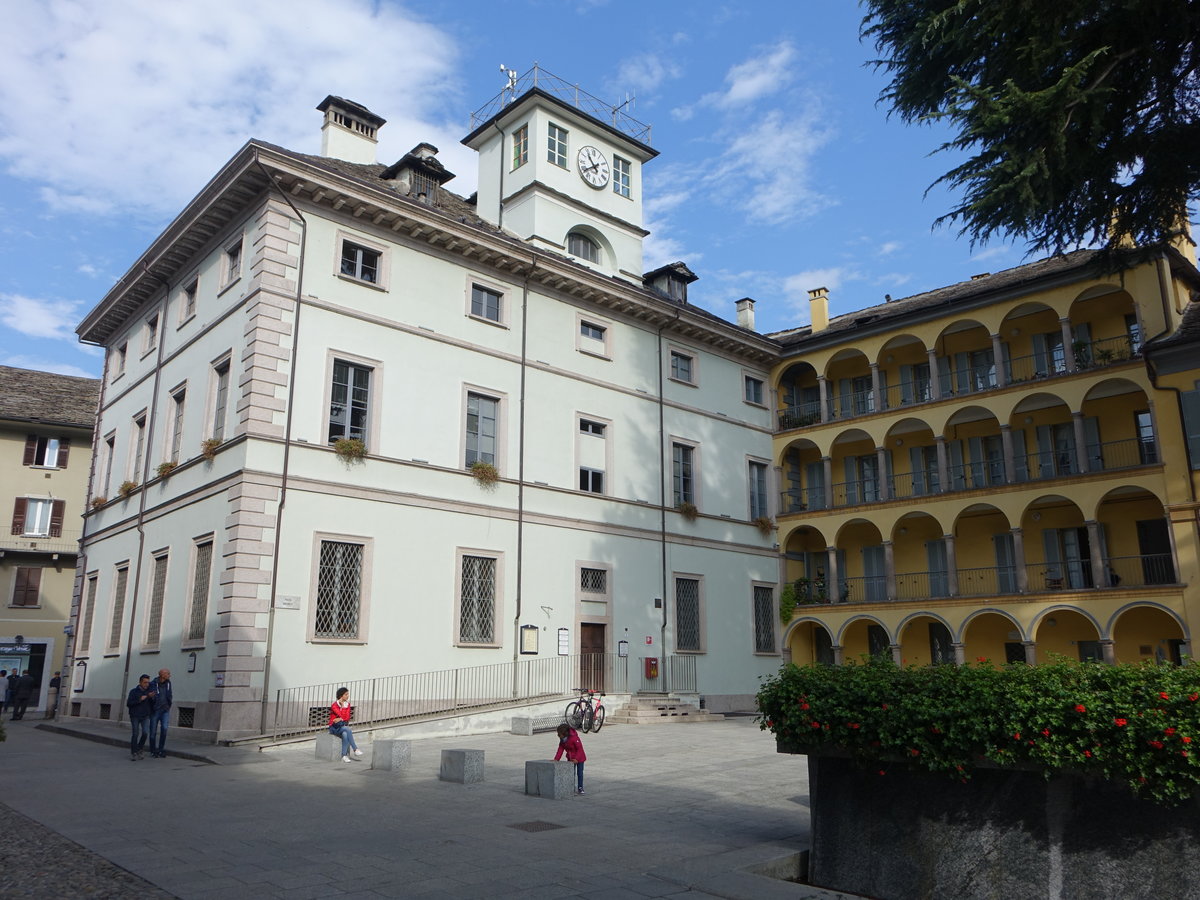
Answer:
(909, 834)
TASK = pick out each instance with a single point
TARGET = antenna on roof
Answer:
(511, 86)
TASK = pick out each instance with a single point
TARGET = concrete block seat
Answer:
(549, 779)
(391, 754)
(462, 766)
(329, 747)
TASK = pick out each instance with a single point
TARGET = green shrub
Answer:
(1137, 724)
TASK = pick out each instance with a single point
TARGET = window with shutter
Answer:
(27, 588)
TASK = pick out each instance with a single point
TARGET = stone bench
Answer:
(329, 747)
(391, 754)
(462, 766)
(549, 779)
(529, 725)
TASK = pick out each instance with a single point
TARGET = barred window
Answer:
(477, 608)
(89, 612)
(764, 619)
(158, 592)
(593, 581)
(201, 579)
(687, 614)
(339, 590)
(114, 632)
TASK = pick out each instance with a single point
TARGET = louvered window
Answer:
(198, 617)
(89, 612)
(687, 614)
(477, 608)
(114, 631)
(764, 619)
(339, 590)
(158, 593)
(27, 589)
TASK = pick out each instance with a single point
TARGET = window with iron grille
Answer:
(764, 619)
(118, 614)
(339, 590)
(593, 581)
(482, 412)
(201, 578)
(360, 262)
(477, 605)
(89, 612)
(158, 592)
(682, 474)
(349, 401)
(687, 614)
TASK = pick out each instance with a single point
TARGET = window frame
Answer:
(771, 612)
(747, 379)
(586, 461)
(382, 262)
(590, 242)
(558, 145)
(582, 596)
(520, 147)
(678, 352)
(364, 596)
(765, 502)
(374, 392)
(218, 412)
(694, 449)
(460, 554)
(46, 503)
(591, 473)
(117, 604)
(42, 443)
(188, 296)
(121, 352)
(499, 457)
(178, 396)
(110, 452)
(701, 628)
(137, 447)
(600, 348)
(150, 334)
(87, 617)
(187, 641)
(36, 587)
(157, 601)
(231, 262)
(622, 177)
(473, 281)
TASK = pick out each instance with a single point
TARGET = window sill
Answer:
(228, 285)
(692, 652)
(595, 353)
(361, 282)
(192, 645)
(18, 606)
(755, 405)
(486, 321)
(766, 653)
(478, 646)
(149, 351)
(185, 320)
(353, 642)
(691, 384)
(149, 651)
(46, 468)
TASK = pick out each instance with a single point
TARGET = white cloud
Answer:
(642, 75)
(889, 247)
(760, 76)
(40, 364)
(134, 105)
(991, 253)
(810, 279)
(40, 318)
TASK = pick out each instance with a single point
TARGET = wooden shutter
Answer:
(56, 517)
(18, 519)
(30, 450)
(29, 582)
(64, 450)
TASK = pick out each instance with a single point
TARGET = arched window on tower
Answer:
(583, 246)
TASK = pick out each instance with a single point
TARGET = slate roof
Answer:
(30, 396)
(1188, 331)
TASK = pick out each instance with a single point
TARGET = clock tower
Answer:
(561, 169)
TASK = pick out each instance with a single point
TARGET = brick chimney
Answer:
(350, 131)
(818, 308)
(745, 313)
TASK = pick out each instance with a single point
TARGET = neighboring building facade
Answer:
(990, 470)
(45, 456)
(303, 309)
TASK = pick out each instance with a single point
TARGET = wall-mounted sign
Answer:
(14, 648)
(622, 648)
(219, 679)
(564, 642)
(649, 640)
(529, 640)
(287, 601)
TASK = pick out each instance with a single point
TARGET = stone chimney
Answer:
(818, 308)
(418, 174)
(745, 311)
(350, 132)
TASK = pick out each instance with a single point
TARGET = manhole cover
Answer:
(536, 826)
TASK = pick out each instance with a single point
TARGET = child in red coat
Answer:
(568, 741)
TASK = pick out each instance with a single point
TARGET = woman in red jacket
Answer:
(568, 741)
(339, 723)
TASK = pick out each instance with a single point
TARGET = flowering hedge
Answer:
(1134, 724)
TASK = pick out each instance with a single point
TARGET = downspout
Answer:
(1164, 292)
(662, 492)
(521, 469)
(287, 446)
(68, 659)
(500, 196)
(141, 516)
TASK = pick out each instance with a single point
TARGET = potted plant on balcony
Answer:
(350, 449)
(208, 448)
(126, 488)
(166, 467)
(98, 502)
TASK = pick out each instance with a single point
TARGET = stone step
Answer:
(660, 711)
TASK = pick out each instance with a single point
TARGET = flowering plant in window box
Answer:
(208, 448)
(688, 510)
(166, 467)
(765, 524)
(350, 449)
(485, 473)
(1132, 723)
(127, 488)
(98, 502)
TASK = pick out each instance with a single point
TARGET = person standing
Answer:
(52, 696)
(23, 693)
(339, 724)
(161, 690)
(3, 690)
(10, 688)
(569, 742)
(141, 707)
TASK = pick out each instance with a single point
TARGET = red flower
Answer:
(936, 730)
(1087, 753)
(1120, 723)
(1046, 732)
(1183, 753)
(883, 706)
(1164, 695)
(1080, 708)
(770, 724)
(1157, 745)
(1168, 731)
(1194, 697)
(981, 659)
(1017, 736)
(853, 725)
(815, 724)
(914, 751)
(804, 706)
(1186, 739)
(881, 772)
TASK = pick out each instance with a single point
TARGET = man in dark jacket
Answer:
(161, 688)
(141, 706)
(3, 690)
(26, 685)
(10, 688)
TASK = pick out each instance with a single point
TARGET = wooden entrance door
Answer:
(591, 656)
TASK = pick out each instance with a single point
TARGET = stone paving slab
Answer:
(662, 817)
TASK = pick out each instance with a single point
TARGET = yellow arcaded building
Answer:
(1002, 469)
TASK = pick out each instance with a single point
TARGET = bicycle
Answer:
(587, 713)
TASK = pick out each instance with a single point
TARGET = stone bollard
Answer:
(522, 725)
(549, 779)
(462, 766)
(329, 747)
(390, 754)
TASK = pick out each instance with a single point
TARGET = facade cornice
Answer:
(568, 200)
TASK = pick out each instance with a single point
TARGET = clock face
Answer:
(593, 166)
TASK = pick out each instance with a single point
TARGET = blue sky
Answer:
(778, 170)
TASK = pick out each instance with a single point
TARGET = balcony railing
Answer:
(988, 581)
(958, 382)
(1141, 571)
(62, 541)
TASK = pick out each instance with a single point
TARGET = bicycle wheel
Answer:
(598, 718)
(574, 715)
(588, 718)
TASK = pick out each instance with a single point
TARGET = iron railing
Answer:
(676, 674)
(55, 540)
(539, 78)
(1141, 571)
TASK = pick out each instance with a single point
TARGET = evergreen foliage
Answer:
(1083, 115)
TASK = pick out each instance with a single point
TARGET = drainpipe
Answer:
(287, 445)
(521, 469)
(662, 493)
(500, 196)
(141, 516)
